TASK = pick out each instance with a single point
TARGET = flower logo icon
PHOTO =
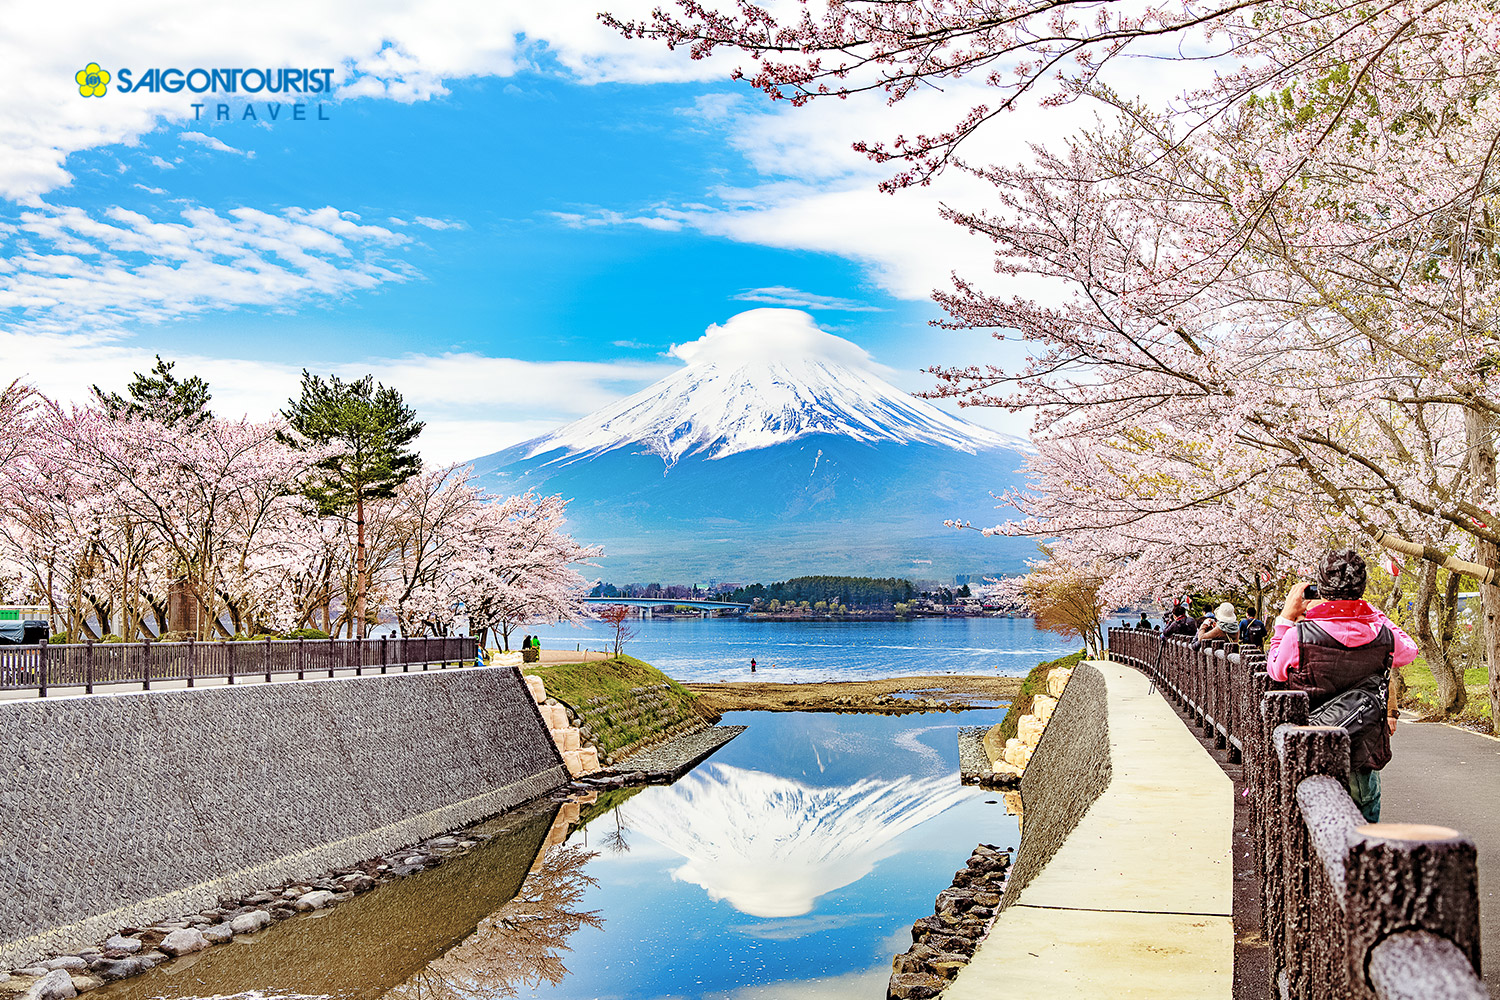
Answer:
(92, 81)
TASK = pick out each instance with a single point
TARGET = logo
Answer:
(92, 81)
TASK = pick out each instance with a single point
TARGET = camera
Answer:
(1310, 592)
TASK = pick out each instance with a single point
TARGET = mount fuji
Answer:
(778, 451)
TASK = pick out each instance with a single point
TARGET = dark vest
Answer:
(1326, 667)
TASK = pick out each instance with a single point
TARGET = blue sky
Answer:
(511, 215)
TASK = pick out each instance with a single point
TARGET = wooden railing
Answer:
(85, 665)
(1349, 909)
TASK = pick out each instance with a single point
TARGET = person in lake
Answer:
(1338, 643)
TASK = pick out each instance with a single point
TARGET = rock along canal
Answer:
(789, 865)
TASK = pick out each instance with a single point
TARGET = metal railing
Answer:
(1349, 909)
(85, 665)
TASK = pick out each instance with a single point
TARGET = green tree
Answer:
(367, 429)
(160, 396)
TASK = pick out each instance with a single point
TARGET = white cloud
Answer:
(385, 49)
(70, 270)
(761, 334)
(438, 224)
(793, 298)
(217, 145)
(472, 404)
(607, 217)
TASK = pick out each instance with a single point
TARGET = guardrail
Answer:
(88, 664)
(1349, 909)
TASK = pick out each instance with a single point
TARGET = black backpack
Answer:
(1253, 632)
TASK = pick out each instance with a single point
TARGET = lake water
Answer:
(716, 649)
(789, 866)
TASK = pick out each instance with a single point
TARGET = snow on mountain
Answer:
(770, 845)
(718, 410)
(767, 377)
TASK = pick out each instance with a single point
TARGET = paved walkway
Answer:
(1137, 901)
(1439, 774)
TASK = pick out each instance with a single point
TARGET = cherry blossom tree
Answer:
(520, 569)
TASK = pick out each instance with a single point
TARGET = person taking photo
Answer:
(1340, 649)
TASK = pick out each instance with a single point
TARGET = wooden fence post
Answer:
(1304, 751)
(1409, 877)
(41, 670)
(88, 666)
(146, 664)
(1277, 708)
(229, 651)
(192, 662)
(384, 652)
(331, 656)
(301, 657)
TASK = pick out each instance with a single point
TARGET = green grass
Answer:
(613, 680)
(1421, 694)
(1034, 684)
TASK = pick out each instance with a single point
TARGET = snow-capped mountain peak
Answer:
(716, 409)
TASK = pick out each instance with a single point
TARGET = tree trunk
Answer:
(360, 582)
(1451, 696)
(1479, 431)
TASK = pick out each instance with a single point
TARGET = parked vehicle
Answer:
(28, 632)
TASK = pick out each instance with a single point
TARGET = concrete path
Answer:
(1439, 774)
(1137, 901)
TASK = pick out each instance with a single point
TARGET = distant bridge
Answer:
(662, 602)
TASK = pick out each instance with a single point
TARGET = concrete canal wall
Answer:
(1069, 769)
(129, 809)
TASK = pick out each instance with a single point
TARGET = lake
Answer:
(720, 649)
(789, 866)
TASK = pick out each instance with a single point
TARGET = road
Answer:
(1439, 774)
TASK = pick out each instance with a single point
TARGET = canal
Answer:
(789, 865)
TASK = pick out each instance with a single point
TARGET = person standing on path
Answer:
(1335, 643)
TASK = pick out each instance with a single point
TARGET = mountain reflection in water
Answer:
(789, 867)
(770, 846)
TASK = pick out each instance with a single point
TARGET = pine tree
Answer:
(368, 430)
(159, 396)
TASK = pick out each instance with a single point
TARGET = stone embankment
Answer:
(568, 732)
(132, 809)
(664, 762)
(649, 711)
(989, 762)
(943, 943)
(132, 950)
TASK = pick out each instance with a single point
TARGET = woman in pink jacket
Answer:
(1327, 645)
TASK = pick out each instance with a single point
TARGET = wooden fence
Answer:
(84, 665)
(1349, 909)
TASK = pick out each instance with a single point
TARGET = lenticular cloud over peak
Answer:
(762, 336)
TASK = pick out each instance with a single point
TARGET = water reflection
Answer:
(789, 866)
(520, 944)
(770, 846)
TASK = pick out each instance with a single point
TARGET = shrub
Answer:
(307, 633)
(181, 635)
(58, 638)
(111, 638)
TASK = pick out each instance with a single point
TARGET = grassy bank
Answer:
(1421, 695)
(627, 702)
(1034, 684)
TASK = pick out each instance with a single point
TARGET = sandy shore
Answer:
(930, 693)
